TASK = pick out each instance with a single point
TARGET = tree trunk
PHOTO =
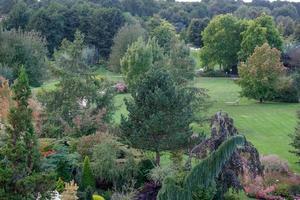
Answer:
(260, 100)
(157, 158)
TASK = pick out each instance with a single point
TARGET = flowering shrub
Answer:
(121, 88)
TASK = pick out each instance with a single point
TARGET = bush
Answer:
(159, 173)
(294, 189)
(98, 197)
(144, 168)
(113, 163)
(213, 73)
(273, 164)
(283, 191)
(23, 48)
(287, 90)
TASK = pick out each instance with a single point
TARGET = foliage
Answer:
(20, 158)
(273, 164)
(127, 35)
(18, 16)
(57, 21)
(296, 139)
(285, 25)
(159, 173)
(97, 197)
(208, 169)
(138, 59)
(86, 144)
(251, 12)
(221, 41)
(159, 114)
(180, 65)
(5, 99)
(144, 168)
(164, 33)
(81, 103)
(24, 48)
(260, 74)
(113, 163)
(60, 185)
(194, 30)
(70, 191)
(283, 191)
(87, 179)
(259, 31)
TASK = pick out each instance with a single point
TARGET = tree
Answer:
(20, 158)
(194, 30)
(27, 49)
(286, 10)
(221, 41)
(251, 12)
(138, 59)
(127, 35)
(87, 179)
(259, 75)
(258, 32)
(159, 114)
(296, 139)
(18, 16)
(81, 103)
(163, 32)
(285, 25)
(180, 64)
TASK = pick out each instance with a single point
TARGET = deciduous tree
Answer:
(260, 74)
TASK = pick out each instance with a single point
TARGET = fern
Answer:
(203, 174)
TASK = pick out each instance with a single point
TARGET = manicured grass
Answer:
(266, 125)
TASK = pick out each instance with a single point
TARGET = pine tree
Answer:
(159, 115)
(296, 139)
(87, 176)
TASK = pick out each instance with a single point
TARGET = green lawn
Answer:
(266, 125)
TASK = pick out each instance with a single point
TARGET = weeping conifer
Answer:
(203, 174)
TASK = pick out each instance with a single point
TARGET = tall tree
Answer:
(221, 40)
(138, 59)
(20, 158)
(258, 32)
(123, 39)
(162, 31)
(259, 75)
(194, 30)
(159, 114)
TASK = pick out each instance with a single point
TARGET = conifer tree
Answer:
(159, 115)
(87, 176)
(19, 164)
